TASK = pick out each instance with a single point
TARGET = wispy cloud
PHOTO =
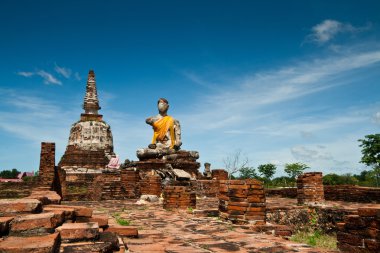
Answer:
(65, 72)
(48, 77)
(328, 29)
(308, 154)
(376, 117)
(232, 106)
(25, 74)
(77, 76)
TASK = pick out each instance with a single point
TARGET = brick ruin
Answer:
(310, 188)
(179, 197)
(47, 164)
(242, 201)
(82, 174)
(360, 232)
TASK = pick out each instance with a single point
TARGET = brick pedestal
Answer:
(47, 164)
(242, 201)
(180, 197)
(131, 182)
(151, 185)
(310, 188)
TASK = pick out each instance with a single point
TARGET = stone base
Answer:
(77, 157)
(164, 164)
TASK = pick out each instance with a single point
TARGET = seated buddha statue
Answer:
(166, 133)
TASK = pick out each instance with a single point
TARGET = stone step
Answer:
(35, 223)
(68, 212)
(71, 232)
(101, 219)
(36, 244)
(14, 206)
(5, 225)
(78, 210)
(128, 231)
(46, 197)
(107, 242)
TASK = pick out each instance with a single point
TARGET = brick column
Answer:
(180, 197)
(242, 201)
(47, 164)
(310, 188)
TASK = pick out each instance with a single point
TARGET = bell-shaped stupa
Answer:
(90, 143)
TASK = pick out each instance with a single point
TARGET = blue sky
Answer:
(282, 81)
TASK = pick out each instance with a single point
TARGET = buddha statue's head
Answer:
(163, 105)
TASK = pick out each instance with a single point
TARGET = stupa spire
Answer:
(91, 101)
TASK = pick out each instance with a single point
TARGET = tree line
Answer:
(239, 168)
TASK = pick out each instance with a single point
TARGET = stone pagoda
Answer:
(84, 172)
(90, 146)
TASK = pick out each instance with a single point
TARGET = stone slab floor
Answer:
(173, 231)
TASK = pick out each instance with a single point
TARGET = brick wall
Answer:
(352, 193)
(12, 190)
(130, 179)
(208, 188)
(290, 192)
(151, 185)
(219, 174)
(180, 197)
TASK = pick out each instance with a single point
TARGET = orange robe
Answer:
(161, 127)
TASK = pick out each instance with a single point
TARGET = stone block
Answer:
(4, 225)
(101, 219)
(13, 206)
(36, 244)
(35, 223)
(128, 231)
(79, 211)
(104, 247)
(68, 212)
(46, 197)
(78, 231)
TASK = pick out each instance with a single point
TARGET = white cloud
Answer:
(308, 154)
(48, 78)
(241, 101)
(25, 74)
(65, 72)
(328, 29)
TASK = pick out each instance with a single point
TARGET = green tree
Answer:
(247, 172)
(295, 169)
(371, 154)
(9, 173)
(331, 179)
(267, 171)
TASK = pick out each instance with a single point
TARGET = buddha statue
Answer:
(166, 133)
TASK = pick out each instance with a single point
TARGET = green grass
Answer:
(121, 221)
(316, 238)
